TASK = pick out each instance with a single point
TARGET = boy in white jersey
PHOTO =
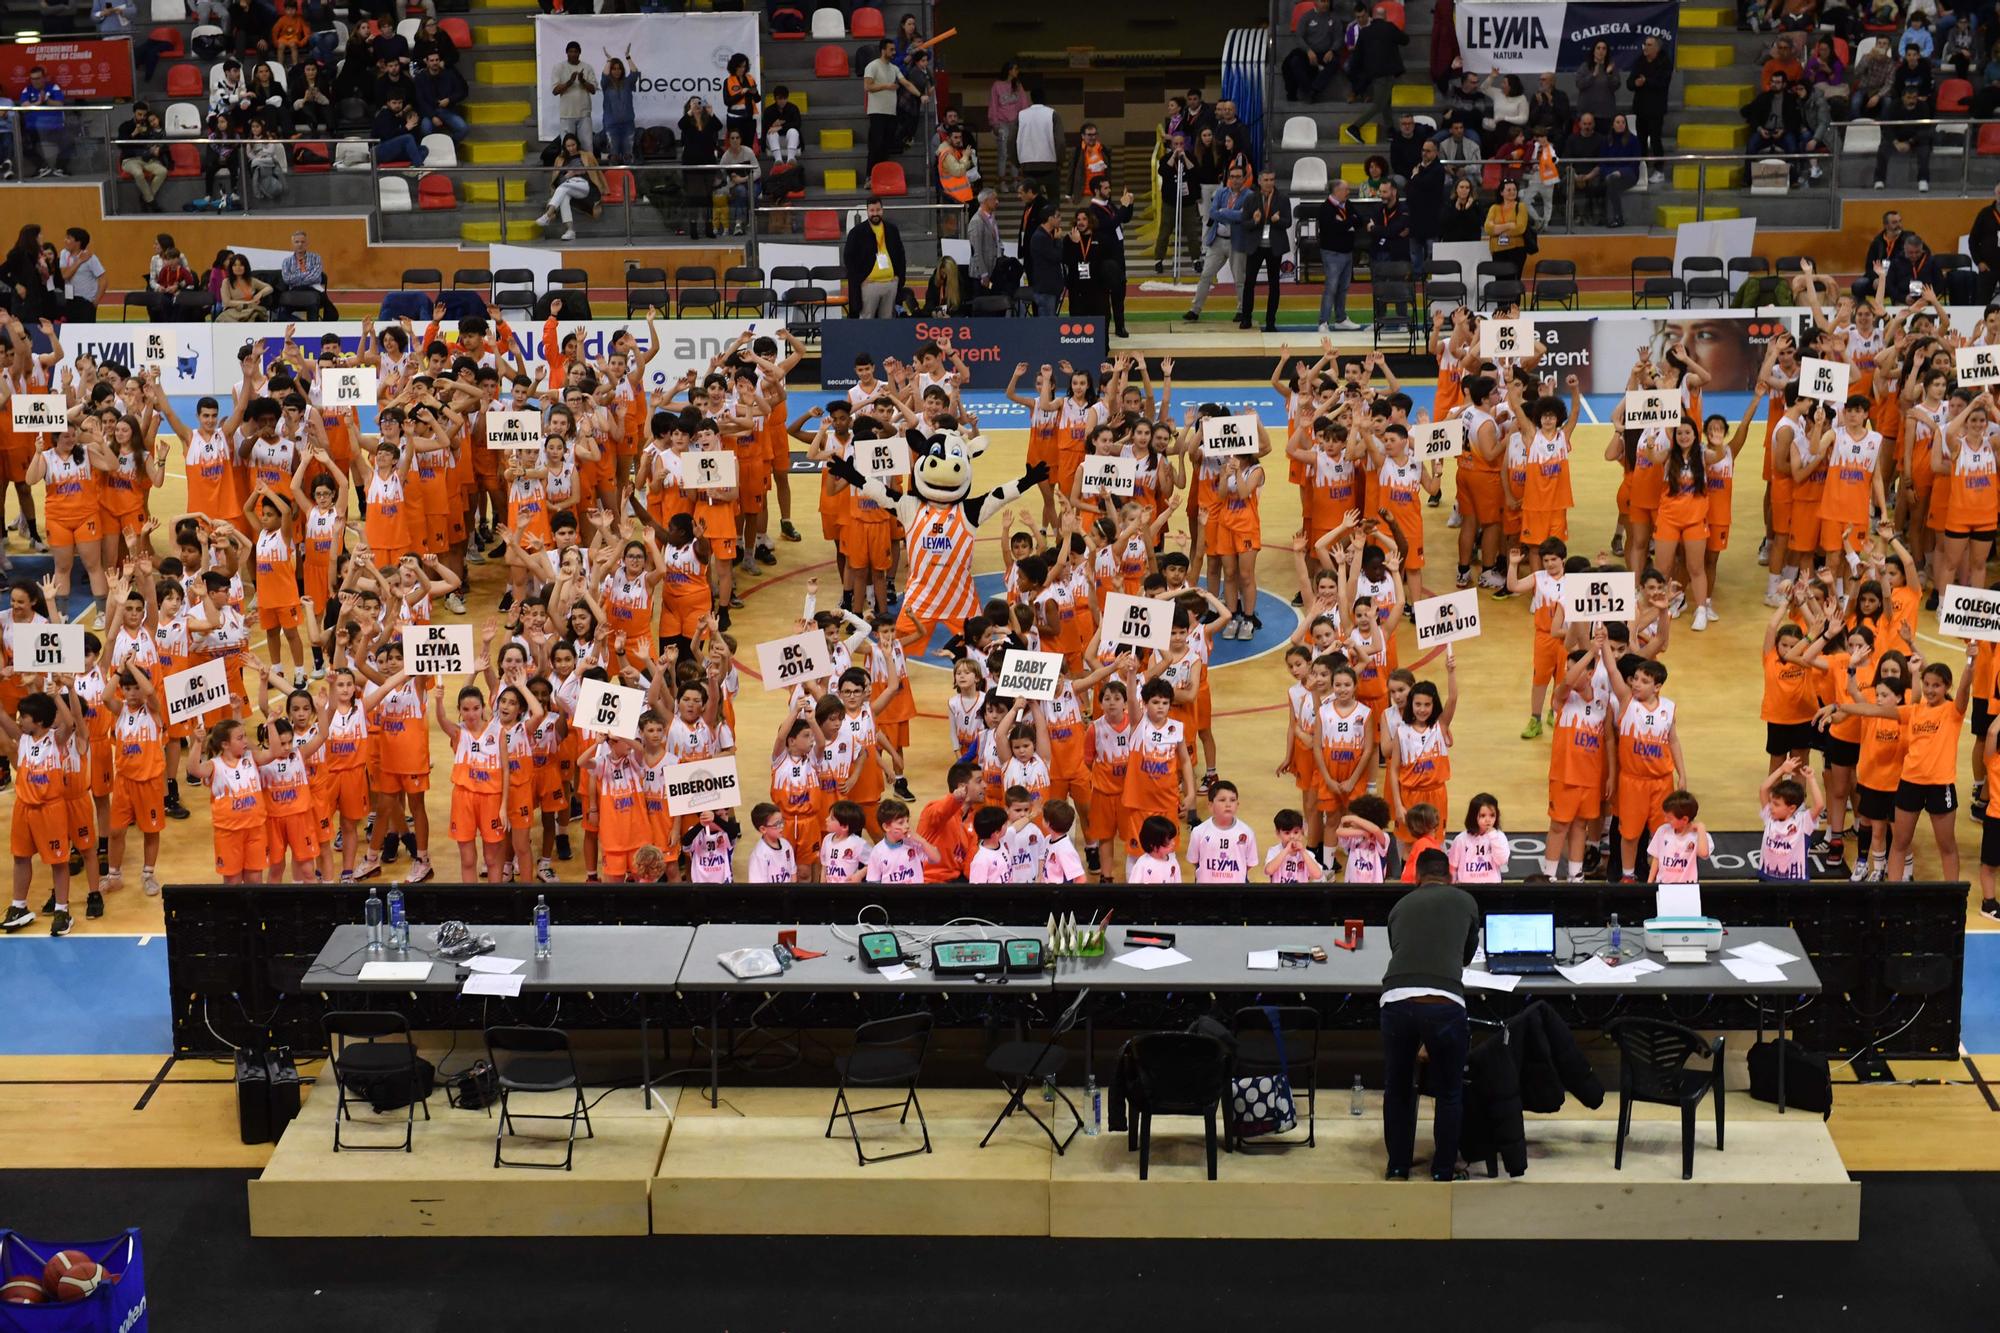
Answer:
(901, 856)
(1290, 861)
(843, 852)
(772, 860)
(1025, 843)
(1061, 865)
(1222, 848)
(990, 864)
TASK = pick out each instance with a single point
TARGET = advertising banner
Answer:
(669, 58)
(93, 69)
(991, 347)
(1545, 36)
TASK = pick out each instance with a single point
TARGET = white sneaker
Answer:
(1700, 619)
(1713, 614)
(1347, 326)
(1455, 518)
(569, 235)
(1326, 328)
(1923, 187)
(150, 882)
(319, 671)
(1678, 605)
(1876, 872)
(455, 604)
(1763, 550)
(546, 220)
(1491, 580)
(1772, 599)
(1860, 871)
(420, 870)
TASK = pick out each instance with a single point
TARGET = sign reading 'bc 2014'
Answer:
(792, 661)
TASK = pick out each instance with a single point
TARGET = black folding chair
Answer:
(365, 1051)
(1176, 1073)
(1652, 1067)
(888, 1052)
(535, 1060)
(1020, 1065)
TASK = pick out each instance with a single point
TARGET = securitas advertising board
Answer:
(991, 347)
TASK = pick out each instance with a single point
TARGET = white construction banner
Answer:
(668, 58)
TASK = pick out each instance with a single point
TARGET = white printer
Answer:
(1678, 931)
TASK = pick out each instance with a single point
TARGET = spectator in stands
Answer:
(1043, 255)
(1906, 135)
(911, 95)
(1426, 194)
(1467, 101)
(356, 75)
(304, 270)
(1911, 268)
(1623, 162)
(1913, 71)
(267, 99)
(399, 130)
(142, 155)
(701, 146)
(1459, 149)
(1036, 208)
(956, 168)
(1512, 154)
(1783, 60)
(876, 269)
(880, 81)
(739, 180)
(218, 272)
(1196, 113)
(244, 298)
(1885, 244)
(1374, 175)
(1091, 161)
(441, 92)
(393, 80)
(290, 35)
(431, 37)
(1388, 230)
(1226, 239)
(221, 164)
(1038, 139)
(1919, 34)
(1405, 146)
(983, 233)
(264, 160)
(83, 274)
(312, 107)
(574, 85)
(1238, 145)
(1582, 151)
(1773, 116)
(114, 18)
(1083, 266)
(907, 42)
(1549, 105)
(1539, 180)
(1957, 50)
(741, 99)
(1337, 225)
(1983, 243)
(1309, 68)
(1377, 62)
(1815, 127)
(1180, 199)
(1004, 99)
(250, 23)
(1597, 85)
(1868, 82)
(44, 134)
(574, 180)
(1824, 65)
(783, 126)
(1506, 229)
(1268, 224)
(1651, 78)
(1509, 102)
(172, 277)
(620, 116)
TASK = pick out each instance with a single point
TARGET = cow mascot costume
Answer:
(938, 523)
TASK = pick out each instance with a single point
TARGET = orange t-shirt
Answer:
(1932, 757)
(1788, 691)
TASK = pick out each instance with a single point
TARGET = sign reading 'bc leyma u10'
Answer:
(991, 348)
(1546, 36)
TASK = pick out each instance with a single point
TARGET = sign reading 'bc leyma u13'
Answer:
(990, 348)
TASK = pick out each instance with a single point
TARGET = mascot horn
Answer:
(938, 522)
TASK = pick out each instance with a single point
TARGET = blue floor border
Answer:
(85, 995)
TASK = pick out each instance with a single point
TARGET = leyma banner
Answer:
(673, 57)
(1547, 36)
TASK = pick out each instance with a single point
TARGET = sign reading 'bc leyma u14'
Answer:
(990, 348)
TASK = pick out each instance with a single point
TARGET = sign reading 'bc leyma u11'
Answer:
(991, 348)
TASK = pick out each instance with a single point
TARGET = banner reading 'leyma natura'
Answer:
(1537, 36)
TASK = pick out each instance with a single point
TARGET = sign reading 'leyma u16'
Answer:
(1545, 36)
(991, 347)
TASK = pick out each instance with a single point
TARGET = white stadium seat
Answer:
(1308, 176)
(395, 194)
(1301, 132)
(828, 25)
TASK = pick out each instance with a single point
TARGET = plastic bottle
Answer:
(1048, 1089)
(542, 949)
(399, 925)
(371, 916)
(1617, 938)
(1093, 1120)
(1354, 1098)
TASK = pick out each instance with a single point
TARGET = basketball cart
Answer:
(117, 1306)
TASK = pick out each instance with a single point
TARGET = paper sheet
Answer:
(1597, 972)
(487, 962)
(1761, 952)
(395, 971)
(1487, 981)
(896, 972)
(1753, 973)
(1263, 960)
(1148, 960)
(1678, 900)
(493, 983)
(1642, 967)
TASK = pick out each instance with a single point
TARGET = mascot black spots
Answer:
(938, 522)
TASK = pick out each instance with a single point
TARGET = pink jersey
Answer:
(1674, 855)
(1364, 857)
(771, 865)
(1478, 858)
(1150, 869)
(1222, 855)
(1291, 865)
(990, 865)
(895, 863)
(842, 860)
(1784, 851)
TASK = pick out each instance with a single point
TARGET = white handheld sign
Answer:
(1447, 619)
(348, 386)
(513, 430)
(44, 413)
(1107, 474)
(48, 649)
(1224, 436)
(1978, 365)
(1138, 622)
(196, 691)
(1506, 337)
(1825, 381)
(609, 710)
(437, 650)
(883, 459)
(708, 469)
(1969, 613)
(795, 660)
(1600, 597)
(1025, 675)
(1645, 408)
(1438, 439)
(702, 784)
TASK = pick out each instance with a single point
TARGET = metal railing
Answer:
(241, 194)
(636, 198)
(62, 137)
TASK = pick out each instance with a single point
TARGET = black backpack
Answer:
(1808, 1079)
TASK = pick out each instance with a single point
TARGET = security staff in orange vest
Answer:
(955, 167)
(1109, 220)
(1091, 161)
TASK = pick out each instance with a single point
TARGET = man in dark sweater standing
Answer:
(1376, 64)
(1652, 74)
(1433, 934)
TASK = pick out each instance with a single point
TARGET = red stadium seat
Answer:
(830, 62)
(1842, 52)
(186, 159)
(865, 22)
(823, 224)
(171, 42)
(306, 167)
(1392, 10)
(434, 192)
(1989, 140)
(887, 180)
(793, 34)
(186, 81)
(1954, 95)
(618, 184)
(458, 30)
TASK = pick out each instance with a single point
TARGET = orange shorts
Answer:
(141, 804)
(100, 769)
(521, 801)
(280, 617)
(42, 830)
(1042, 449)
(614, 866)
(1068, 463)
(241, 851)
(82, 820)
(1226, 539)
(1129, 821)
(1830, 535)
(1569, 802)
(1671, 529)
(1780, 496)
(1479, 496)
(681, 616)
(915, 634)
(1718, 537)
(400, 784)
(832, 522)
(1638, 806)
(475, 816)
(549, 787)
(14, 464)
(1804, 523)
(70, 532)
(1549, 657)
(866, 545)
(1436, 797)
(297, 834)
(1100, 818)
(342, 791)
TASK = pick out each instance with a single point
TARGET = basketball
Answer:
(22, 1291)
(71, 1276)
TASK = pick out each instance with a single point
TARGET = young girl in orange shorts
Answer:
(236, 800)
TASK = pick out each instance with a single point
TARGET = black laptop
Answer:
(1520, 943)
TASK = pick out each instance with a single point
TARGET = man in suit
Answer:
(984, 233)
(1224, 237)
(1109, 219)
(873, 257)
(1268, 223)
(1035, 209)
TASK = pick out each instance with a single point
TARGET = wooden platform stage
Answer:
(760, 1164)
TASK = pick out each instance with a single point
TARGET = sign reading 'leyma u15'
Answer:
(991, 347)
(1547, 36)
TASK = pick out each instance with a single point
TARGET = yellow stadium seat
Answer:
(840, 178)
(1704, 56)
(833, 141)
(1721, 176)
(1713, 138)
(1670, 216)
(1719, 96)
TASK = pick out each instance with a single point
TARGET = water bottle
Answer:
(1354, 1098)
(399, 925)
(1048, 1089)
(371, 916)
(541, 926)
(1093, 1099)
(1617, 938)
